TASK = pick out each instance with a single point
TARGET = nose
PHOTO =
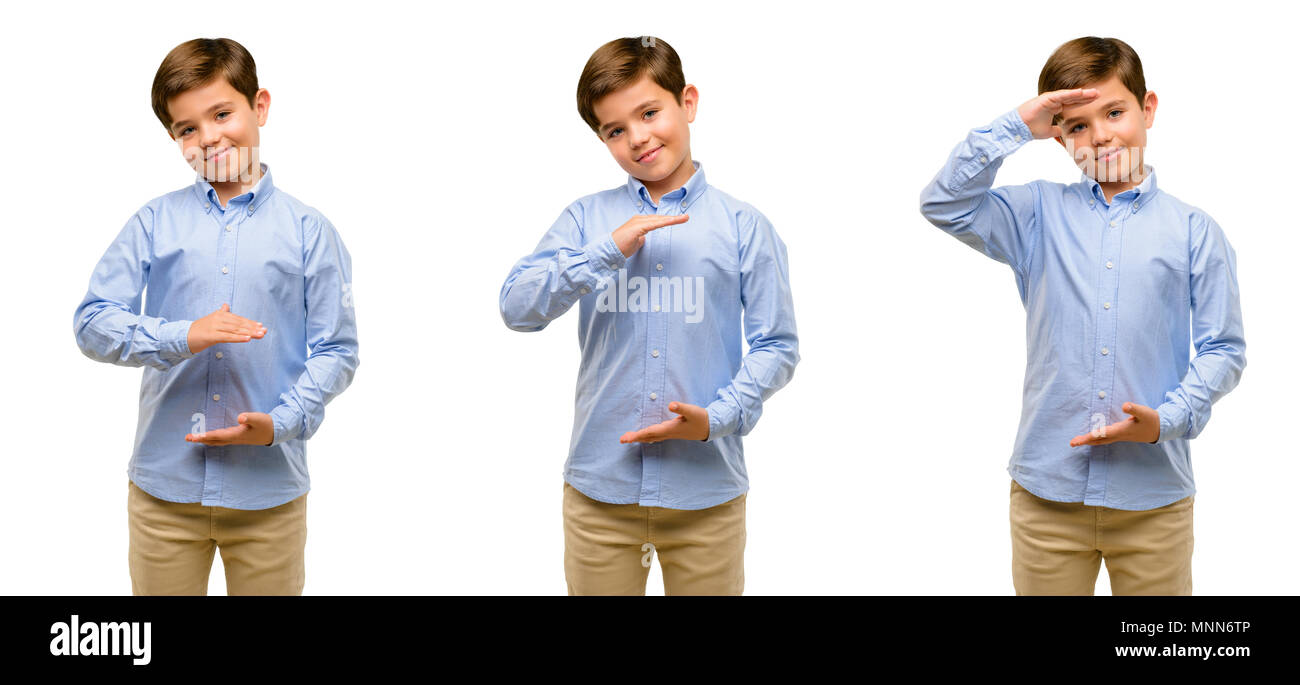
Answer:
(1101, 135)
(638, 135)
(209, 137)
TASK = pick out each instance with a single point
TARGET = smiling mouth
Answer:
(218, 153)
(1109, 156)
(649, 155)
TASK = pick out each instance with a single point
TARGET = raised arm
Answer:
(567, 266)
(107, 325)
(961, 200)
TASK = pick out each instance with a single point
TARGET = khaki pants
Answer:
(172, 546)
(1057, 547)
(608, 547)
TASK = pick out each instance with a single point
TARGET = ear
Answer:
(262, 101)
(690, 100)
(1149, 107)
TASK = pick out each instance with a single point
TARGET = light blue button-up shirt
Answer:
(1115, 294)
(663, 326)
(273, 259)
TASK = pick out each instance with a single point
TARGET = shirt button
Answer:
(230, 227)
(1105, 350)
(1112, 224)
(1107, 305)
(1101, 394)
(659, 267)
(656, 308)
(218, 355)
(1092, 203)
(683, 204)
(654, 353)
(207, 205)
(216, 398)
(1135, 205)
(983, 159)
(654, 396)
(584, 291)
(1017, 137)
(224, 270)
(1109, 265)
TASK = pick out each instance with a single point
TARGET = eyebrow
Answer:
(638, 108)
(219, 105)
(1109, 105)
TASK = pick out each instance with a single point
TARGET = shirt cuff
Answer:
(1008, 133)
(1173, 422)
(175, 338)
(604, 256)
(722, 420)
(286, 424)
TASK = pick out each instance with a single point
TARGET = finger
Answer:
(1073, 96)
(1080, 440)
(657, 221)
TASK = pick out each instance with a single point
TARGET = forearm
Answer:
(545, 285)
(107, 332)
(763, 371)
(301, 410)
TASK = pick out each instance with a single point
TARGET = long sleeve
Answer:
(769, 329)
(562, 269)
(331, 335)
(1216, 333)
(1000, 222)
(107, 325)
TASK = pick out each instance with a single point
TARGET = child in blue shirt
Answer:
(665, 270)
(1118, 278)
(228, 399)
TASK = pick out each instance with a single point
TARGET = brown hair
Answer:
(622, 62)
(196, 63)
(1091, 59)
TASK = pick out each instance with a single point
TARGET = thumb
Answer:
(243, 418)
(676, 408)
(225, 307)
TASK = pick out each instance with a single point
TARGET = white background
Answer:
(442, 140)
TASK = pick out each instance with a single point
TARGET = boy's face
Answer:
(646, 131)
(217, 130)
(1106, 137)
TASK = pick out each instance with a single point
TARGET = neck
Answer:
(230, 189)
(672, 181)
(1112, 188)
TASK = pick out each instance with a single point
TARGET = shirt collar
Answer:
(686, 194)
(255, 197)
(1146, 187)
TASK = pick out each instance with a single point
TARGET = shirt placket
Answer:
(653, 403)
(218, 377)
(1104, 352)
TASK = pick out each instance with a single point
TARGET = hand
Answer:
(691, 424)
(255, 428)
(222, 327)
(1039, 112)
(631, 236)
(1142, 425)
